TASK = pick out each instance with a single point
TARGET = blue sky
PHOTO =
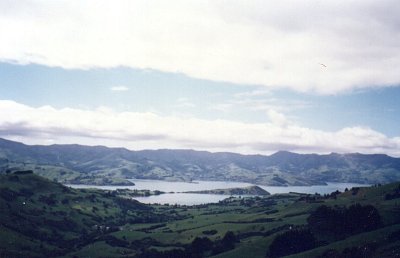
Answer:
(177, 94)
(204, 76)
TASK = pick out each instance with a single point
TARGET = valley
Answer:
(122, 203)
(199, 129)
(40, 217)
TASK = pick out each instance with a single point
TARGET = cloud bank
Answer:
(119, 88)
(45, 125)
(270, 43)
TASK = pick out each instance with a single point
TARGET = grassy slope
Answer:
(255, 221)
(47, 217)
(379, 237)
(69, 176)
(85, 164)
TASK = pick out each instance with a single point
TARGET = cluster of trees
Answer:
(291, 242)
(200, 247)
(394, 195)
(203, 246)
(325, 224)
(340, 222)
(361, 251)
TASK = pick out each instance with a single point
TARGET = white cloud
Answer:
(222, 107)
(270, 43)
(184, 103)
(148, 130)
(277, 118)
(119, 88)
(253, 93)
(259, 100)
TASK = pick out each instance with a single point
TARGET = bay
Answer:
(177, 197)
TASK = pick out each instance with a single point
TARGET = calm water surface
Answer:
(193, 199)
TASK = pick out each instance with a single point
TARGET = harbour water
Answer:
(174, 190)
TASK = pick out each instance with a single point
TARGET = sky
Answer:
(252, 77)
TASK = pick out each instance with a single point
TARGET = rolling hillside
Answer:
(40, 218)
(102, 165)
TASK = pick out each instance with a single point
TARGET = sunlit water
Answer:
(192, 199)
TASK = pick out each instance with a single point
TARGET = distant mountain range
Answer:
(103, 165)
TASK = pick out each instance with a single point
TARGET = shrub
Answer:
(210, 232)
(199, 246)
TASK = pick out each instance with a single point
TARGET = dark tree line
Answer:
(200, 247)
(394, 194)
(291, 242)
(324, 223)
(340, 222)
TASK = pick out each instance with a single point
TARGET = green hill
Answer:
(39, 217)
(99, 165)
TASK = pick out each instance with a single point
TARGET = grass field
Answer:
(40, 217)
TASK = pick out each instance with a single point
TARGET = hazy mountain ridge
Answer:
(103, 165)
